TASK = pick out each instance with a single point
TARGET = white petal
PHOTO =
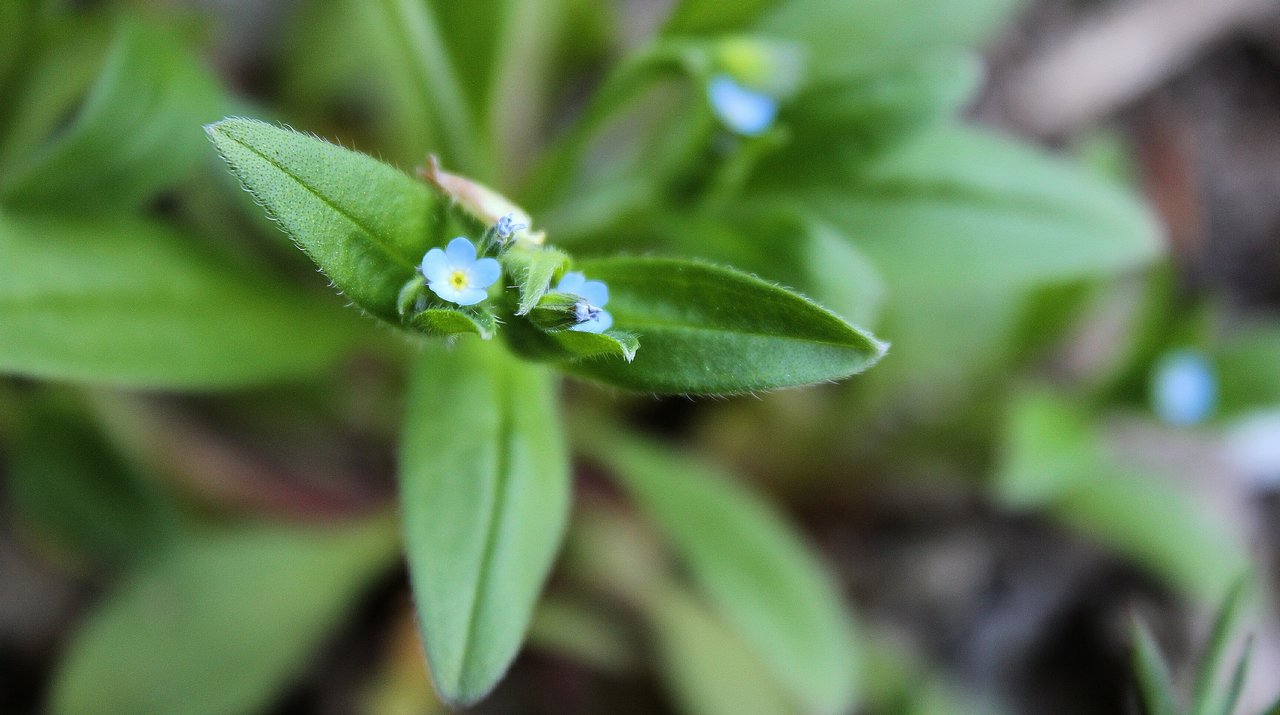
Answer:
(435, 266)
(461, 252)
(484, 272)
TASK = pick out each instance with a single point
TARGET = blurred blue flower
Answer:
(456, 275)
(590, 312)
(1184, 388)
(744, 111)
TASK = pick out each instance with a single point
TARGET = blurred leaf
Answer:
(837, 128)
(221, 622)
(708, 668)
(364, 223)
(707, 329)
(135, 134)
(1224, 626)
(1235, 686)
(503, 51)
(125, 302)
(62, 59)
(1055, 459)
(1154, 683)
(485, 495)
(68, 484)
(1248, 376)
(961, 225)
(752, 566)
(847, 37)
(405, 41)
(714, 16)
(583, 635)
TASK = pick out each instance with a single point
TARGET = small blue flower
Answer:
(1184, 388)
(507, 226)
(591, 315)
(456, 275)
(744, 111)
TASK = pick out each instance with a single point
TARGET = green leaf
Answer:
(1154, 683)
(708, 329)
(485, 494)
(134, 135)
(1247, 374)
(128, 302)
(533, 271)
(754, 569)
(444, 322)
(364, 223)
(221, 622)
(714, 16)
(1057, 461)
(846, 38)
(1224, 626)
(1235, 686)
(961, 225)
(68, 484)
(837, 128)
(707, 666)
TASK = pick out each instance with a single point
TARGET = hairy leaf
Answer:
(485, 494)
(708, 329)
(364, 223)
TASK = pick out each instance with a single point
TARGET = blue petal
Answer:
(1184, 389)
(594, 292)
(742, 110)
(435, 267)
(470, 296)
(484, 272)
(598, 324)
(571, 282)
(446, 291)
(461, 253)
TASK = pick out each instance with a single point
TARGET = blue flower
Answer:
(1184, 388)
(456, 275)
(592, 295)
(742, 110)
(507, 226)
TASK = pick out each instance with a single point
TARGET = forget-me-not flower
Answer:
(746, 112)
(507, 226)
(592, 295)
(1184, 388)
(456, 275)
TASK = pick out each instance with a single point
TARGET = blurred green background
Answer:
(1061, 213)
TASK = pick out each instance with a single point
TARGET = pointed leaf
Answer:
(485, 494)
(128, 302)
(1154, 682)
(708, 329)
(533, 271)
(754, 569)
(221, 622)
(1223, 629)
(444, 322)
(133, 136)
(706, 664)
(364, 223)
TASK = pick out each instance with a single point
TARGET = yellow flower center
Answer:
(458, 279)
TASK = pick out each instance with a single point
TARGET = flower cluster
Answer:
(457, 274)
